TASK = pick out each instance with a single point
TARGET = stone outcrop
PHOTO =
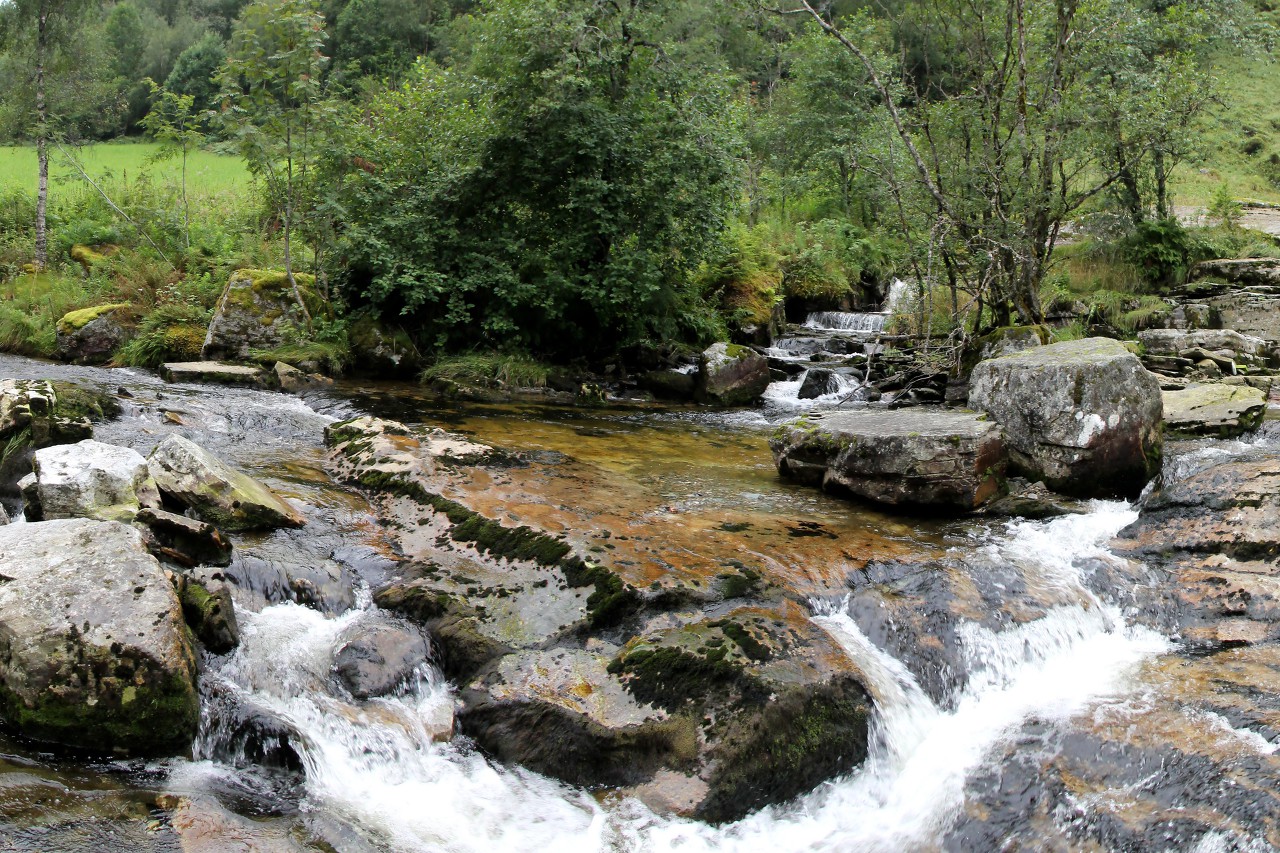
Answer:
(1242, 271)
(731, 375)
(92, 335)
(1214, 410)
(382, 351)
(589, 670)
(1205, 352)
(93, 651)
(217, 493)
(1217, 536)
(922, 458)
(258, 310)
(88, 480)
(1083, 416)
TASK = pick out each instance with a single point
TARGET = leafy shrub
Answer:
(1160, 250)
(489, 370)
(172, 332)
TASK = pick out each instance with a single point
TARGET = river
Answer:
(1055, 721)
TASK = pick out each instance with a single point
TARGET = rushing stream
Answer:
(960, 751)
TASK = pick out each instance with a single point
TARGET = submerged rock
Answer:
(1083, 416)
(918, 458)
(92, 335)
(258, 310)
(93, 650)
(1221, 411)
(373, 660)
(89, 480)
(732, 375)
(195, 478)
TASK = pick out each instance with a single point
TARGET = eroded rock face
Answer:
(93, 650)
(1221, 411)
(1083, 416)
(190, 475)
(732, 375)
(185, 541)
(916, 458)
(567, 667)
(1245, 271)
(1215, 536)
(258, 310)
(89, 480)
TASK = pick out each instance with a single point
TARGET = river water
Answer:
(1065, 725)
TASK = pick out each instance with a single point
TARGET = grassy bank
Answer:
(207, 173)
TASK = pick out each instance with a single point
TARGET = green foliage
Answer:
(1160, 250)
(193, 72)
(489, 370)
(558, 195)
(172, 332)
(1224, 207)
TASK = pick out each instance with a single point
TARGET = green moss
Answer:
(73, 321)
(746, 641)
(671, 678)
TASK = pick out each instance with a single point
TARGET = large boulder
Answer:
(1083, 416)
(194, 477)
(258, 310)
(89, 480)
(731, 375)
(923, 458)
(1216, 410)
(93, 650)
(37, 413)
(92, 335)
(375, 659)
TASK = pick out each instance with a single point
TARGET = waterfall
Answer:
(379, 766)
(845, 321)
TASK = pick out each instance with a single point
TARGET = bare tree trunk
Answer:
(42, 145)
(288, 238)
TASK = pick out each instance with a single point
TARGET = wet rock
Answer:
(382, 351)
(731, 375)
(209, 613)
(89, 480)
(215, 372)
(258, 310)
(1216, 536)
(294, 381)
(195, 478)
(818, 382)
(1083, 416)
(373, 660)
(1034, 501)
(1223, 411)
(39, 413)
(203, 825)
(922, 458)
(92, 335)
(93, 650)
(670, 384)
(183, 540)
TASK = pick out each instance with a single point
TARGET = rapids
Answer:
(1061, 724)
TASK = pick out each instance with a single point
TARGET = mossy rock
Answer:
(259, 311)
(74, 321)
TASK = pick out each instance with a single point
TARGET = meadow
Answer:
(119, 163)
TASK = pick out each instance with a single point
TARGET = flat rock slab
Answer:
(907, 457)
(216, 372)
(1222, 411)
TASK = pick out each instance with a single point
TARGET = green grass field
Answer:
(207, 174)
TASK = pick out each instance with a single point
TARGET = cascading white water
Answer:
(378, 766)
(846, 321)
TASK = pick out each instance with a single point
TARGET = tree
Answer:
(557, 194)
(272, 103)
(194, 71)
(46, 26)
(175, 122)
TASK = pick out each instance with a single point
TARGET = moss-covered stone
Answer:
(74, 321)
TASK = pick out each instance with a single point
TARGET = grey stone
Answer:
(1223, 411)
(91, 335)
(93, 651)
(183, 540)
(215, 372)
(373, 660)
(89, 480)
(258, 310)
(732, 375)
(1083, 416)
(217, 493)
(916, 458)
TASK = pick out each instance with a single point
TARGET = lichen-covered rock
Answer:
(294, 381)
(93, 651)
(92, 335)
(1216, 410)
(185, 541)
(190, 475)
(375, 659)
(258, 310)
(915, 458)
(1083, 416)
(731, 375)
(1226, 346)
(89, 480)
